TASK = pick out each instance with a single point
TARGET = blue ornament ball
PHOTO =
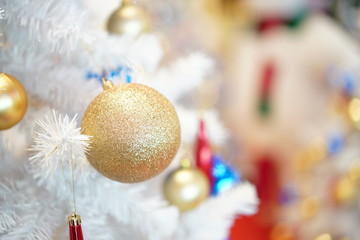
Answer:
(225, 176)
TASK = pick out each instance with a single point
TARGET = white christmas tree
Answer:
(50, 47)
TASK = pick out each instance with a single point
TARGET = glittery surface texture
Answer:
(136, 132)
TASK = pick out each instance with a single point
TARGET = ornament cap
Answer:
(74, 219)
(185, 163)
(106, 83)
(75, 229)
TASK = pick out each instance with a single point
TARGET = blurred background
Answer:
(288, 80)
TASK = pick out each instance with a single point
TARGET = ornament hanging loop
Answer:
(106, 83)
(185, 163)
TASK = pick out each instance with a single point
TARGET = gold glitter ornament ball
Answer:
(186, 187)
(13, 101)
(135, 132)
(129, 19)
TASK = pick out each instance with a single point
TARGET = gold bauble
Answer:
(13, 101)
(128, 19)
(282, 231)
(354, 171)
(354, 111)
(309, 207)
(345, 191)
(186, 187)
(135, 132)
(324, 236)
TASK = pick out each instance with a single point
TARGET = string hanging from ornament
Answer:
(74, 220)
(54, 144)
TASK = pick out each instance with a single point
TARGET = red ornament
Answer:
(75, 230)
(259, 226)
(203, 153)
(266, 84)
(269, 23)
(267, 79)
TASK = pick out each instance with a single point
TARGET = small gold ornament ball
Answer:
(128, 19)
(135, 132)
(13, 101)
(345, 191)
(324, 236)
(186, 187)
